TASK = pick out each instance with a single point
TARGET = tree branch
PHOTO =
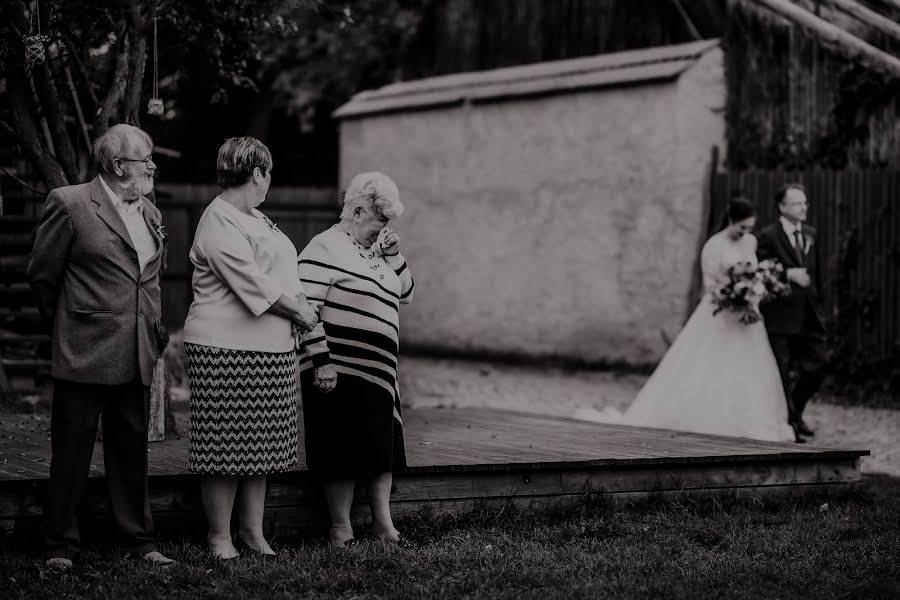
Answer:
(73, 54)
(117, 89)
(21, 182)
(7, 130)
(49, 98)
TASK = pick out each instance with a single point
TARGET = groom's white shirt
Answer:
(789, 229)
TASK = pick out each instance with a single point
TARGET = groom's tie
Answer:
(798, 244)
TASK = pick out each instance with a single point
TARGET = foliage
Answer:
(100, 60)
(858, 373)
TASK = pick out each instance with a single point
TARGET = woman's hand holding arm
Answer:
(299, 311)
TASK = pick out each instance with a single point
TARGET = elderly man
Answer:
(95, 271)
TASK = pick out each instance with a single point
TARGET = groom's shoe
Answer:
(800, 428)
(799, 439)
(803, 429)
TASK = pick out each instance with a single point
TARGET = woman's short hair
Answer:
(375, 190)
(740, 208)
(115, 144)
(238, 156)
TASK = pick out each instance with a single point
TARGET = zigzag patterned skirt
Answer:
(243, 411)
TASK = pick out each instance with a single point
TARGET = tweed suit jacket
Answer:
(84, 271)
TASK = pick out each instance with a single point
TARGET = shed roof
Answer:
(605, 70)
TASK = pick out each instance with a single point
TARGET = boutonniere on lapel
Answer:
(807, 242)
(160, 230)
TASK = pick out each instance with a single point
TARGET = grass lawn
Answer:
(683, 548)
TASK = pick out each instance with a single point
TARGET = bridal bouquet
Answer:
(748, 286)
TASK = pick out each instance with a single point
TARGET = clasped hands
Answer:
(799, 276)
(306, 317)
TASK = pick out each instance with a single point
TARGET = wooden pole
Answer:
(156, 428)
(868, 17)
(835, 36)
(895, 4)
(687, 20)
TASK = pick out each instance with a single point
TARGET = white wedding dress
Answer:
(719, 376)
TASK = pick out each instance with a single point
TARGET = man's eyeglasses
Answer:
(147, 160)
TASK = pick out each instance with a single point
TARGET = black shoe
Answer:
(800, 428)
(803, 429)
(799, 439)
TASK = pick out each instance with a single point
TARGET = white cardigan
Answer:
(242, 265)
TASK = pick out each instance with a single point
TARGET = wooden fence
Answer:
(301, 213)
(857, 215)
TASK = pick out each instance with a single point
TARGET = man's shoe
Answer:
(60, 563)
(157, 558)
(803, 429)
(799, 438)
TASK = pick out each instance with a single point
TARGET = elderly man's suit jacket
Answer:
(84, 270)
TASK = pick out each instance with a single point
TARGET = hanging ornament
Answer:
(35, 53)
(155, 106)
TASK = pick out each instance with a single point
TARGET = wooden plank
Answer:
(835, 36)
(562, 482)
(180, 494)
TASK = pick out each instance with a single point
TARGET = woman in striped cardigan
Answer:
(355, 274)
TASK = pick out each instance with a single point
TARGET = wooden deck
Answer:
(460, 457)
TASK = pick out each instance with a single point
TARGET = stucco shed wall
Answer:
(564, 225)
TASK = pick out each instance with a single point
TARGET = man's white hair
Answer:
(374, 190)
(115, 144)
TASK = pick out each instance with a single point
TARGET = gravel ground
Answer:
(455, 383)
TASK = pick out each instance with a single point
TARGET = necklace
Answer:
(365, 253)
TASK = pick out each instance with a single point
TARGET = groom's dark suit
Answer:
(105, 315)
(795, 324)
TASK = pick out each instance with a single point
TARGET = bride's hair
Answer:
(739, 208)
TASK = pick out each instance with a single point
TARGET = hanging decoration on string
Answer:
(155, 106)
(35, 53)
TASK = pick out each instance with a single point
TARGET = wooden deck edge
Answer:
(180, 494)
(671, 462)
(299, 474)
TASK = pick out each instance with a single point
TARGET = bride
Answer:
(719, 376)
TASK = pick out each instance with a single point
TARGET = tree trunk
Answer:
(25, 124)
(117, 89)
(137, 61)
(23, 114)
(261, 113)
(49, 101)
(136, 65)
(28, 137)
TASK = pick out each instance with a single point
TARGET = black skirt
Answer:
(351, 432)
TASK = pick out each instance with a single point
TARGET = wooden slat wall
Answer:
(471, 35)
(301, 213)
(860, 205)
(794, 102)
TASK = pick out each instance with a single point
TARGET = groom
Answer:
(794, 323)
